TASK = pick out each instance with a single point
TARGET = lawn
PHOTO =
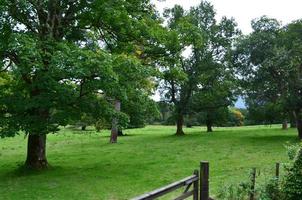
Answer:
(85, 166)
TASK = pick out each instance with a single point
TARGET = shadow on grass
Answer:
(96, 169)
(23, 171)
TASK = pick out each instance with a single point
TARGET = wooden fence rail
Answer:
(193, 180)
(199, 177)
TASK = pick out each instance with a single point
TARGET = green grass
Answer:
(85, 166)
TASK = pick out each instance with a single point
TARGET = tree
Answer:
(140, 109)
(293, 49)
(55, 68)
(133, 30)
(209, 44)
(216, 116)
(269, 65)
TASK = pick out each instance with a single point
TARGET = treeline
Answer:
(224, 117)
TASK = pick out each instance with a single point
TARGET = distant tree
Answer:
(209, 44)
(236, 118)
(269, 65)
(218, 116)
(165, 109)
(140, 110)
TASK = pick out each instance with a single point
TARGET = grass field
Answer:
(85, 166)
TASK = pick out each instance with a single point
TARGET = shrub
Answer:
(271, 190)
(292, 185)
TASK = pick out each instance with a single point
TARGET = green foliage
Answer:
(271, 190)
(292, 150)
(236, 118)
(234, 192)
(292, 186)
(102, 124)
(140, 109)
(59, 71)
(205, 74)
(268, 61)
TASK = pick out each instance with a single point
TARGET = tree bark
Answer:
(299, 127)
(293, 120)
(114, 127)
(209, 126)
(36, 152)
(284, 125)
(298, 118)
(179, 124)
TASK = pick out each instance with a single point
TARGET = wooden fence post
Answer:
(195, 186)
(277, 170)
(253, 183)
(204, 180)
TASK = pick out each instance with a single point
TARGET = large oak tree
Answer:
(55, 66)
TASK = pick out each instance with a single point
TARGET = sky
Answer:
(245, 10)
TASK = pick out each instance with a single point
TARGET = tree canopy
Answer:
(206, 73)
(60, 59)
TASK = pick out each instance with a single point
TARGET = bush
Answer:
(271, 190)
(292, 185)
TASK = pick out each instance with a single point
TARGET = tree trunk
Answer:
(114, 127)
(284, 125)
(209, 126)
(299, 127)
(179, 124)
(83, 128)
(293, 120)
(297, 115)
(36, 152)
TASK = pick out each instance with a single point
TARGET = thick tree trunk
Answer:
(209, 126)
(36, 152)
(284, 125)
(114, 133)
(114, 127)
(179, 124)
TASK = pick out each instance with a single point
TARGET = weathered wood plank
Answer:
(166, 189)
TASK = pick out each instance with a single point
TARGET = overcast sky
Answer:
(245, 10)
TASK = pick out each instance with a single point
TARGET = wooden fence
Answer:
(198, 178)
(200, 182)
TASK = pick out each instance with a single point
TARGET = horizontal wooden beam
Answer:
(169, 188)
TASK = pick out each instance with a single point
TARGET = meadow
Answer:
(85, 166)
